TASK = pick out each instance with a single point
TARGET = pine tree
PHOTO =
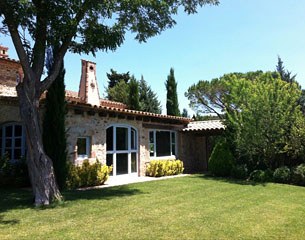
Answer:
(133, 97)
(54, 133)
(285, 75)
(115, 78)
(148, 99)
(172, 105)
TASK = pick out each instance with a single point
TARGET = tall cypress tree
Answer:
(172, 105)
(54, 133)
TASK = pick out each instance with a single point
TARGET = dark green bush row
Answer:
(283, 174)
(159, 168)
(13, 174)
(88, 174)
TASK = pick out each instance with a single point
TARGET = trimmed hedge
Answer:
(88, 174)
(261, 176)
(159, 168)
(298, 175)
(221, 161)
(282, 175)
(14, 173)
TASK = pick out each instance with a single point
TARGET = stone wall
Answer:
(10, 72)
(94, 126)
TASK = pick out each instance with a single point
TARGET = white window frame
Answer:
(129, 151)
(171, 156)
(13, 139)
(88, 148)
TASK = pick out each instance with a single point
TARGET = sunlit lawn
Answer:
(192, 207)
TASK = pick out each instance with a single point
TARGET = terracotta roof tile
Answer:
(204, 126)
(127, 111)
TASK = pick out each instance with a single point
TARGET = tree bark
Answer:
(40, 166)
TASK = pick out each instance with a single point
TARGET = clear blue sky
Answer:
(236, 36)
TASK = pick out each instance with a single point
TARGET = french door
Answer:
(122, 149)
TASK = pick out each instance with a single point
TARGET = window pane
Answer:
(133, 139)
(18, 142)
(109, 139)
(121, 138)
(151, 137)
(81, 146)
(8, 153)
(18, 130)
(8, 143)
(133, 162)
(9, 131)
(163, 143)
(122, 163)
(151, 149)
(17, 154)
(109, 161)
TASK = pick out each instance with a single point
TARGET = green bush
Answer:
(88, 174)
(13, 173)
(159, 168)
(221, 161)
(298, 175)
(282, 175)
(261, 176)
(239, 171)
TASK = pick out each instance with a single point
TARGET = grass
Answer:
(192, 207)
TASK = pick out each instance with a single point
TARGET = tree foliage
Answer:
(85, 26)
(148, 98)
(284, 74)
(172, 105)
(135, 91)
(115, 78)
(119, 92)
(54, 131)
(263, 118)
(133, 97)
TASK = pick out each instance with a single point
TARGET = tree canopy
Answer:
(264, 121)
(84, 26)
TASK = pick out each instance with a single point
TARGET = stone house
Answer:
(107, 130)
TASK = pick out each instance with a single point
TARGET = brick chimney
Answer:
(3, 52)
(88, 88)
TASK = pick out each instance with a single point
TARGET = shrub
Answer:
(159, 168)
(282, 175)
(298, 175)
(239, 171)
(261, 175)
(88, 174)
(221, 160)
(13, 173)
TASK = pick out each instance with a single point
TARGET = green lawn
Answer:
(192, 207)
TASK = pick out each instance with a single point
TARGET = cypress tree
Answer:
(54, 133)
(172, 105)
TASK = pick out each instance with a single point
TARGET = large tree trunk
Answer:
(40, 166)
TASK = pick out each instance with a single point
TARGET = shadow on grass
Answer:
(101, 193)
(22, 198)
(8, 222)
(207, 176)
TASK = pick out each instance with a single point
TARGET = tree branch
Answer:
(46, 83)
(40, 40)
(13, 29)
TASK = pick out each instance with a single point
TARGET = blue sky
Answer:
(236, 36)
